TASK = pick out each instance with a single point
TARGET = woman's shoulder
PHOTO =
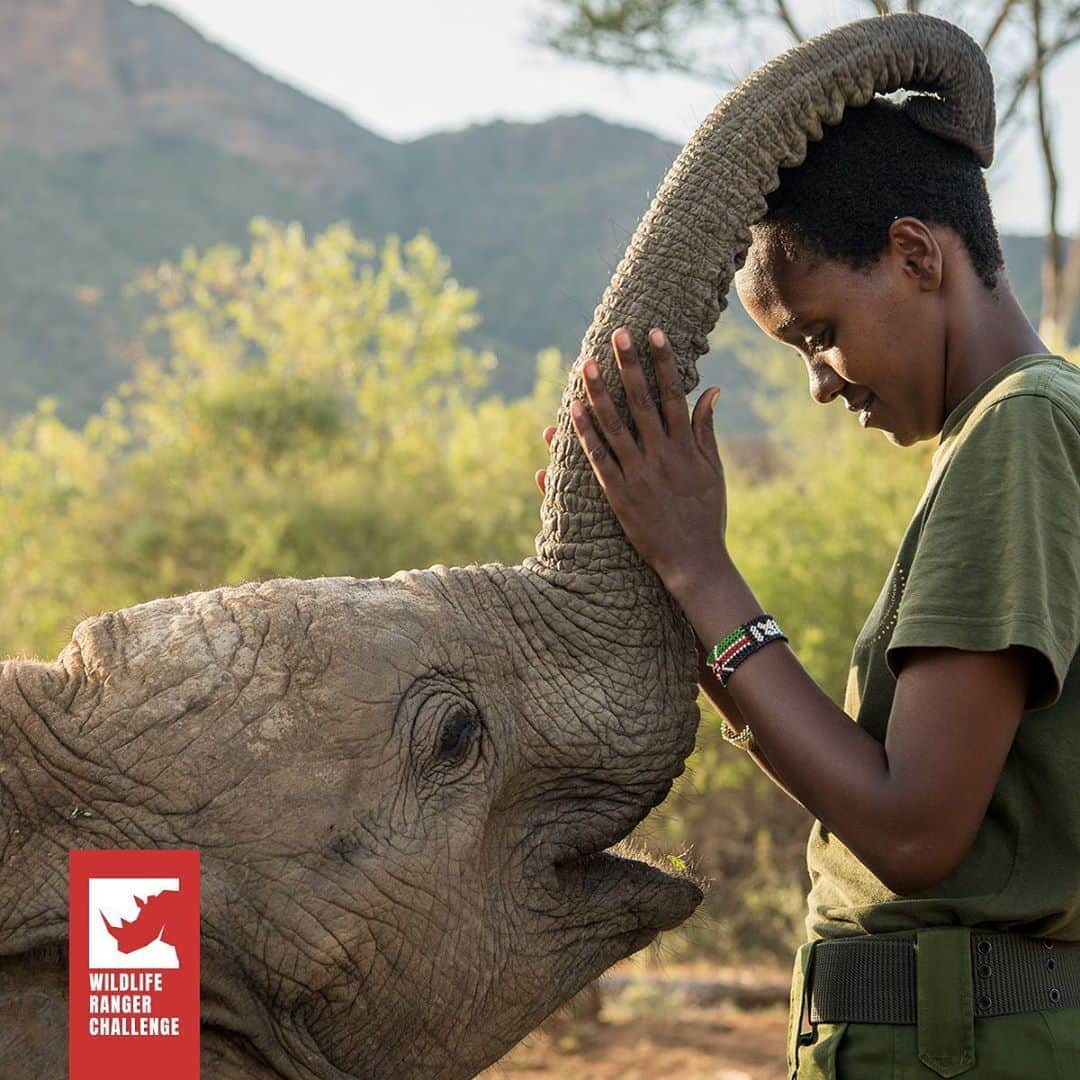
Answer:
(1063, 387)
(1052, 377)
(1034, 396)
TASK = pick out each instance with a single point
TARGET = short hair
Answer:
(874, 166)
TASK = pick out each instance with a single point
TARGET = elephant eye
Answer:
(456, 735)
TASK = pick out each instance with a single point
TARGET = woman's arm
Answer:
(727, 708)
(908, 809)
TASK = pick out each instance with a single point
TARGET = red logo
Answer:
(133, 964)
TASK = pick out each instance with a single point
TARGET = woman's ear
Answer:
(913, 242)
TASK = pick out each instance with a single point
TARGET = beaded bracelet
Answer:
(728, 653)
(743, 739)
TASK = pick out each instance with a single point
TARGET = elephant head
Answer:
(406, 790)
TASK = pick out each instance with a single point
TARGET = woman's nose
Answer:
(825, 384)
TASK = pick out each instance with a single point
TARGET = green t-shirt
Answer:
(990, 558)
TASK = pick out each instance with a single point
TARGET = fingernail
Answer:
(591, 370)
(622, 339)
(657, 338)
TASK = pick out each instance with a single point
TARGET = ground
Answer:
(650, 1021)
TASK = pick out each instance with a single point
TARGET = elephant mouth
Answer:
(627, 885)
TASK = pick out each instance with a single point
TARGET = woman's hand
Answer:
(668, 492)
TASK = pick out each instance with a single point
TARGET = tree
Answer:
(1024, 39)
(303, 409)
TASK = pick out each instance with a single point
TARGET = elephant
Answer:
(408, 792)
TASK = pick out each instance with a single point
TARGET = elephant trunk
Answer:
(694, 237)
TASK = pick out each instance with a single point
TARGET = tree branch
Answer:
(997, 24)
(1045, 55)
(784, 15)
(643, 35)
(1051, 301)
(1023, 81)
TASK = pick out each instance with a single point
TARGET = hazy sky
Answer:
(409, 67)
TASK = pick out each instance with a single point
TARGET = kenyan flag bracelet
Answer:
(728, 653)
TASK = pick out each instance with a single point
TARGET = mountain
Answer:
(89, 75)
(125, 136)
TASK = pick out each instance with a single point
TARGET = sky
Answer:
(407, 68)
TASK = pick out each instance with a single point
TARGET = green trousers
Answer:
(948, 1040)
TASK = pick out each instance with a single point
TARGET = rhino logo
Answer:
(135, 922)
(157, 917)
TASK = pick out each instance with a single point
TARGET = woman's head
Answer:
(864, 250)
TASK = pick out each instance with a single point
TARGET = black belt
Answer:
(871, 980)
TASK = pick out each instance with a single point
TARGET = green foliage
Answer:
(85, 224)
(316, 414)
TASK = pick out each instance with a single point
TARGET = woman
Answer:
(947, 823)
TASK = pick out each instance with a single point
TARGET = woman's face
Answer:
(875, 335)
